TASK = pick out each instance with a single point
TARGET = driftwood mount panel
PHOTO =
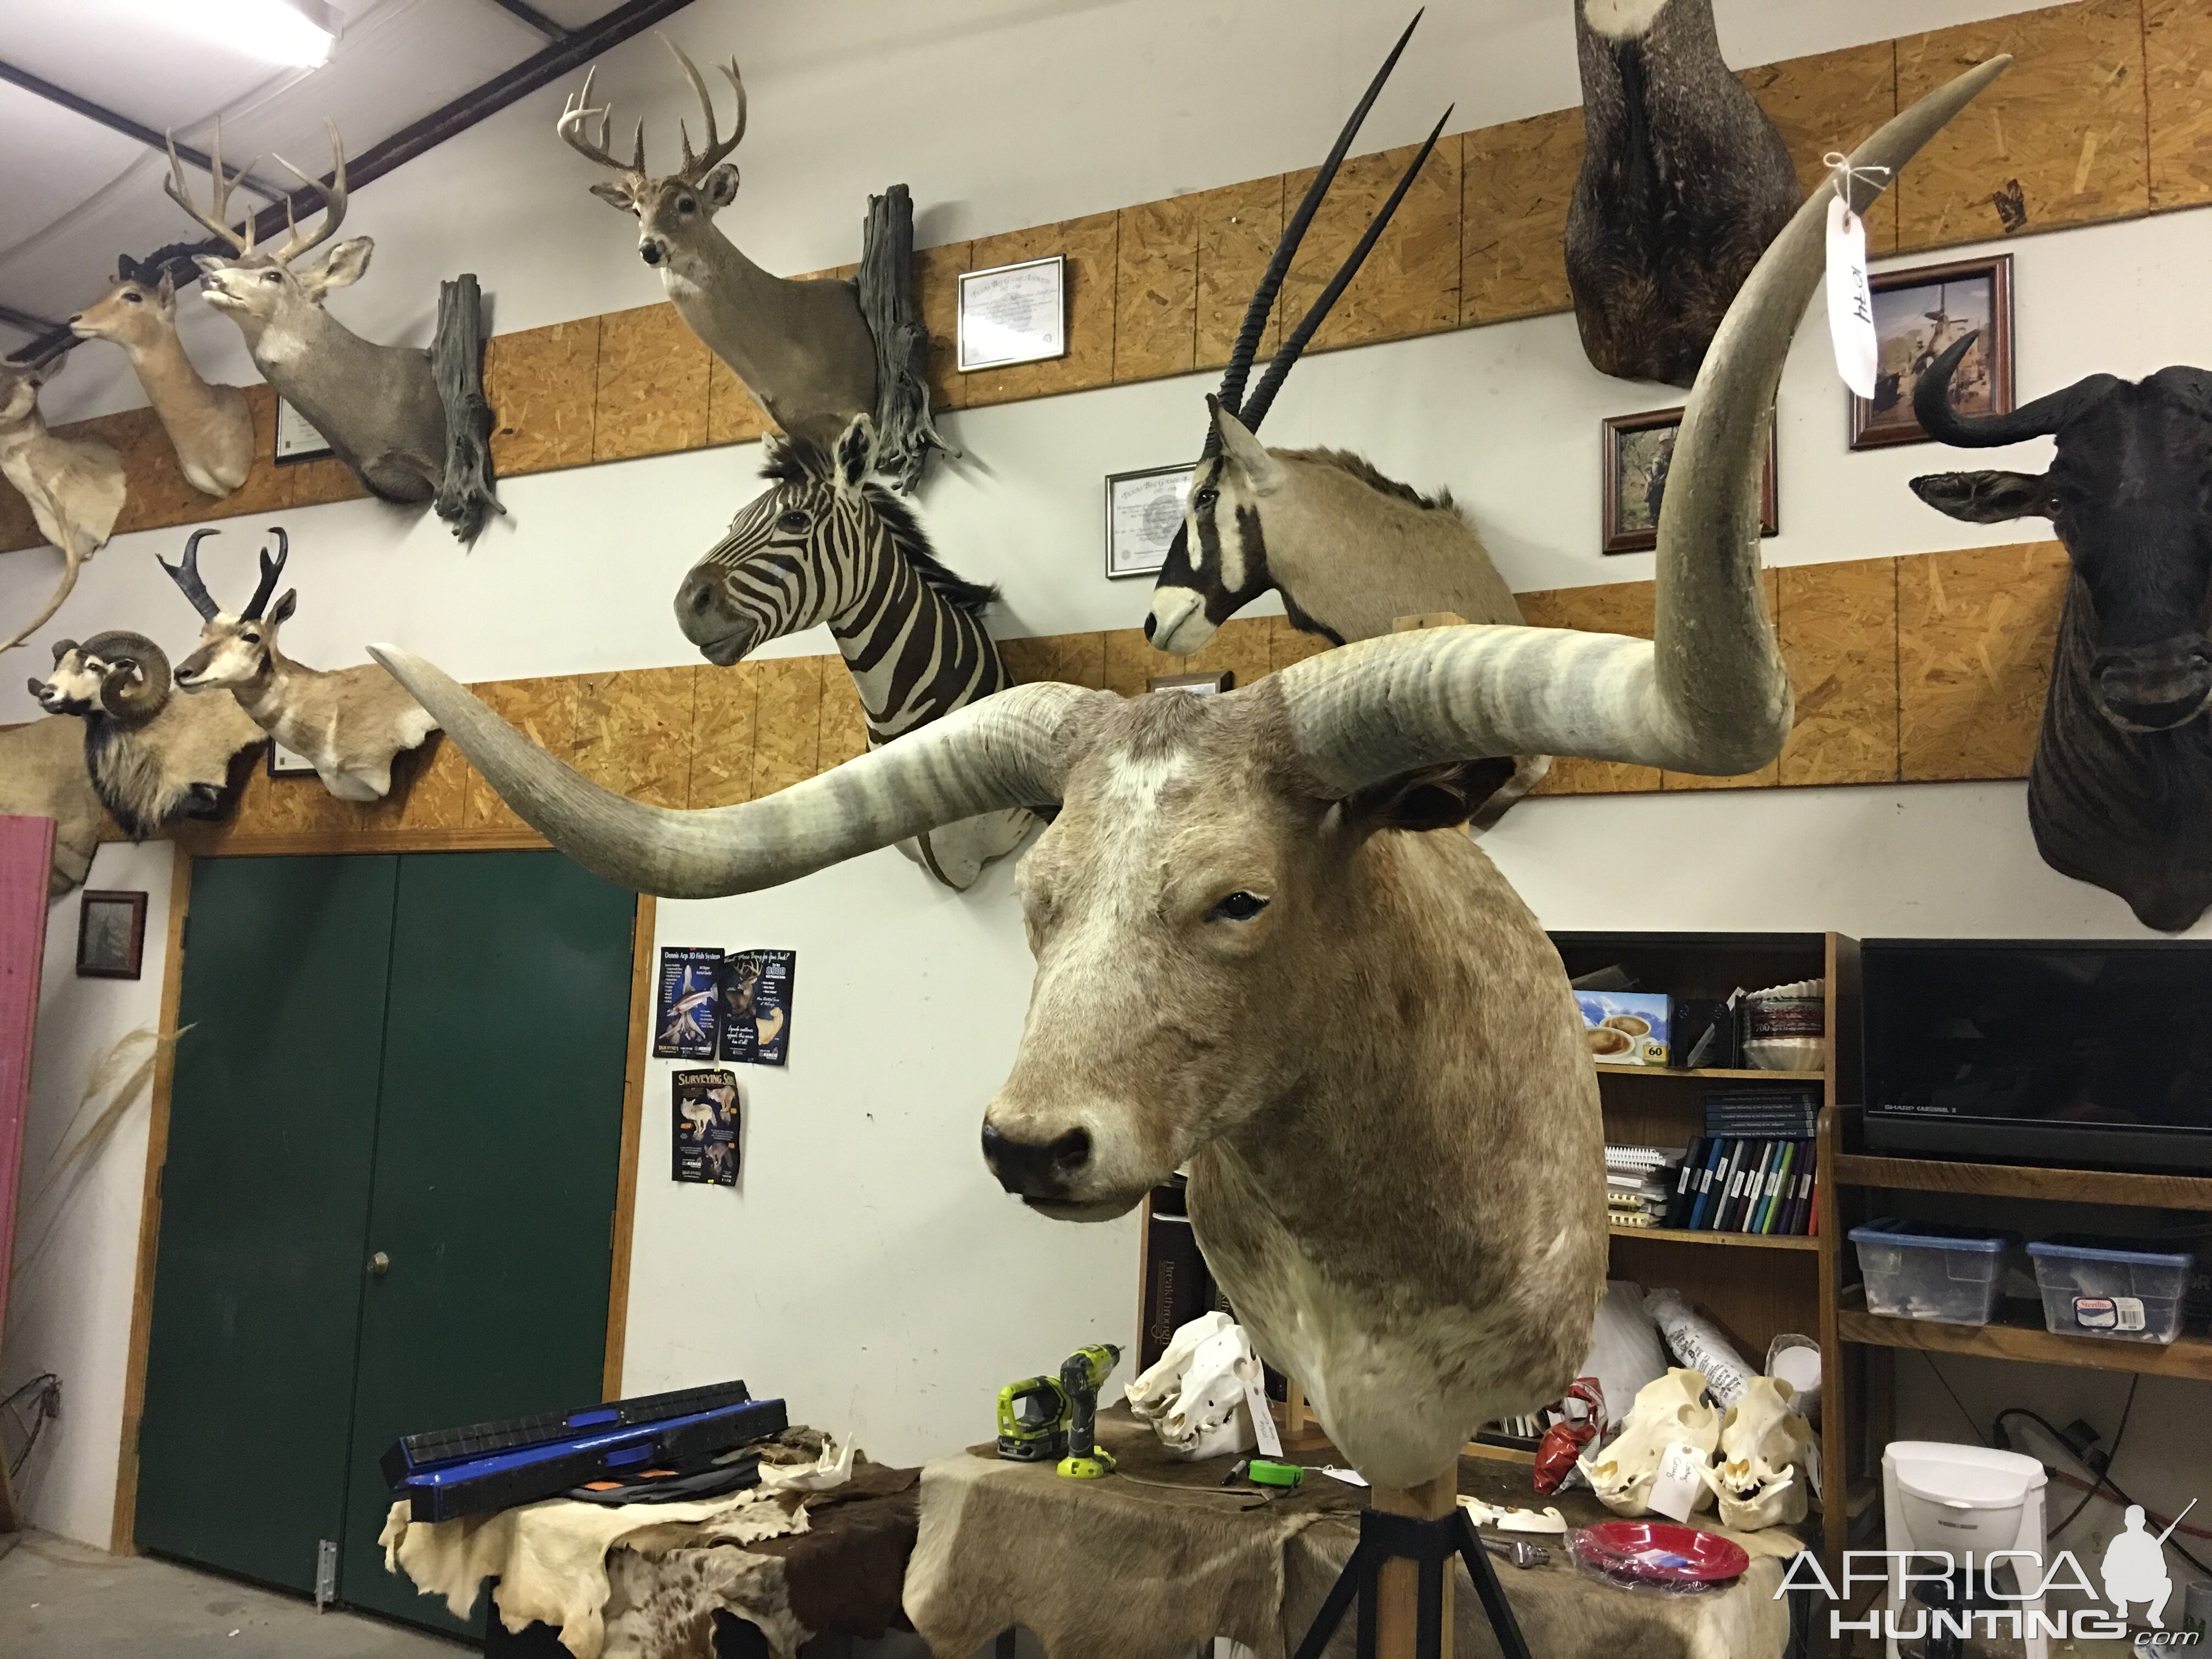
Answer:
(2106, 114)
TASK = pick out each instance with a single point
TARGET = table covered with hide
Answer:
(1151, 1561)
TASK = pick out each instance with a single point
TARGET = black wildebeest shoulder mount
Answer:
(2119, 794)
(1683, 182)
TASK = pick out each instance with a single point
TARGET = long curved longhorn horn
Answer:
(272, 571)
(1931, 406)
(1708, 694)
(185, 573)
(1000, 753)
(1286, 246)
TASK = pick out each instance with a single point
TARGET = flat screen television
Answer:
(2087, 1053)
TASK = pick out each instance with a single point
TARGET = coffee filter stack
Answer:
(1788, 1027)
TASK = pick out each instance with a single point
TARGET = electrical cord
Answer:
(2100, 1479)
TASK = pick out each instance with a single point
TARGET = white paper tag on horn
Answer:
(1263, 1421)
(1850, 302)
(1680, 1483)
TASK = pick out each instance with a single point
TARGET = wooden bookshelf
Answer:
(1746, 1240)
(1708, 1072)
(2015, 1338)
(1928, 1175)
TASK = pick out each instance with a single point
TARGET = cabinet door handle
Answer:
(379, 1265)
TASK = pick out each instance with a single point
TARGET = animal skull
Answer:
(1193, 1396)
(1670, 1408)
(1765, 1448)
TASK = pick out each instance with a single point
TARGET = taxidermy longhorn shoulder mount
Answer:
(1349, 550)
(209, 427)
(347, 722)
(42, 775)
(827, 542)
(814, 352)
(1255, 957)
(411, 425)
(2120, 788)
(75, 485)
(1683, 183)
(154, 757)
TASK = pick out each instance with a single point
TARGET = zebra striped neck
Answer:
(914, 657)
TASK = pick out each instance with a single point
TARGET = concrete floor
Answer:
(60, 1600)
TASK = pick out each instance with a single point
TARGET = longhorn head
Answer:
(674, 210)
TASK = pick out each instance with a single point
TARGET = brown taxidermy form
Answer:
(75, 485)
(1683, 183)
(209, 427)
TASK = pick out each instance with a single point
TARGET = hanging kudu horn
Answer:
(185, 573)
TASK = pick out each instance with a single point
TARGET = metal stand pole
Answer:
(1429, 1545)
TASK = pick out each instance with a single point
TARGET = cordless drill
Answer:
(1081, 1376)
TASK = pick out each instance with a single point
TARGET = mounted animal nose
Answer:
(2152, 687)
(1035, 1169)
(1151, 623)
(650, 252)
(699, 607)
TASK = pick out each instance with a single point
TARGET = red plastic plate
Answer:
(1655, 1552)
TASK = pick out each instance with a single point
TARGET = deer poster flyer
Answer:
(683, 1023)
(756, 988)
(705, 1128)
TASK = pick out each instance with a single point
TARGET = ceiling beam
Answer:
(62, 98)
(535, 18)
(578, 47)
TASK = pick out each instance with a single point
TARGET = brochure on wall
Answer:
(705, 1127)
(683, 1028)
(757, 990)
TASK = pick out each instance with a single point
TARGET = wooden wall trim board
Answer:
(2106, 114)
(633, 1141)
(124, 1523)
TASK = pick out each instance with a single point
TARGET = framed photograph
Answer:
(283, 764)
(297, 437)
(1637, 451)
(110, 935)
(1013, 314)
(1916, 315)
(1144, 510)
(1203, 685)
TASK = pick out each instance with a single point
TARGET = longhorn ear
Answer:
(719, 187)
(615, 194)
(856, 455)
(1986, 497)
(283, 608)
(1262, 472)
(1434, 798)
(348, 264)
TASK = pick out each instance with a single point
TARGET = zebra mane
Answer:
(798, 461)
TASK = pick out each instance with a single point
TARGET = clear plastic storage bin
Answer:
(1925, 1270)
(2117, 1288)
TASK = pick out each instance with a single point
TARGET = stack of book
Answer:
(1639, 1184)
(1751, 1171)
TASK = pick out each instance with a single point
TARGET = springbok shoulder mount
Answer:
(411, 425)
(2121, 784)
(1358, 1038)
(75, 486)
(815, 352)
(347, 722)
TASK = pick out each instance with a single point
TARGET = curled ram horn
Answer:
(1667, 1409)
(1766, 1450)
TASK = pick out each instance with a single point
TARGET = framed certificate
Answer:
(1144, 510)
(297, 437)
(1013, 314)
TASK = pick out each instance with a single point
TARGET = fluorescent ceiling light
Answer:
(295, 32)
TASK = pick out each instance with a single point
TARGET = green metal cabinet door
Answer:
(498, 1144)
(264, 1208)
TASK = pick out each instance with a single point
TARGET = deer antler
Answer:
(696, 167)
(185, 573)
(334, 201)
(271, 571)
(216, 218)
(577, 111)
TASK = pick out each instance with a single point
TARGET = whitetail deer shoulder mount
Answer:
(1349, 550)
(411, 425)
(209, 427)
(347, 722)
(75, 486)
(814, 352)
(153, 757)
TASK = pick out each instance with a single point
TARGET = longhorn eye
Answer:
(793, 523)
(1239, 906)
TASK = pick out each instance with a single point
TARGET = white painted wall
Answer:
(868, 1269)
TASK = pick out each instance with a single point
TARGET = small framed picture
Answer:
(297, 437)
(1638, 449)
(1013, 314)
(1144, 510)
(110, 935)
(1917, 314)
(284, 763)
(1203, 685)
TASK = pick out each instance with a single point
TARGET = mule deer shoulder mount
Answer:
(411, 425)
(348, 723)
(75, 486)
(814, 352)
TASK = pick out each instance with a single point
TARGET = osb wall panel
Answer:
(1828, 102)
(2178, 71)
(1838, 634)
(937, 297)
(1769, 776)
(1155, 290)
(1090, 245)
(787, 726)
(1975, 632)
(2060, 138)
(634, 732)
(1612, 608)
(1238, 226)
(725, 706)
(1517, 181)
(544, 710)
(651, 385)
(542, 385)
(1409, 283)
